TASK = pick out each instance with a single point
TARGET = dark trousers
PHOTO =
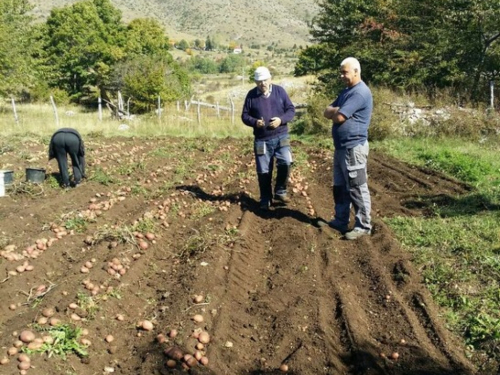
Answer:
(68, 144)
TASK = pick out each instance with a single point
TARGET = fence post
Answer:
(217, 109)
(198, 114)
(159, 106)
(14, 109)
(492, 94)
(232, 111)
(99, 108)
(55, 110)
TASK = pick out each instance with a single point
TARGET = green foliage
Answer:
(409, 45)
(81, 42)
(463, 166)
(78, 224)
(232, 63)
(182, 45)
(144, 78)
(100, 176)
(209, 44)
(203, 65)
(475, 163)
(313, 122)
(16, 64)
(146, 37)
(65, 341)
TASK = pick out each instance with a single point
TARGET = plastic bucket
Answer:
(36, 175)
(6, 176)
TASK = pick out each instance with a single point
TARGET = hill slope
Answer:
(283, 22)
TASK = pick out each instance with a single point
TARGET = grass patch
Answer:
(457, 249)
(100, 176)
(87, 303)
(78, 224)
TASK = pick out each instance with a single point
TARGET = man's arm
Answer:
(332, 113)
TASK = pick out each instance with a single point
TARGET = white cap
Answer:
(261, 74)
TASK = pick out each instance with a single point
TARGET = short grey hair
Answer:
(352, 62)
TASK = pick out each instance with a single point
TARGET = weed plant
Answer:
(65, 341)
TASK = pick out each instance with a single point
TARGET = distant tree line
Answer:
(84, 51)
(421, 46)
(206, 65)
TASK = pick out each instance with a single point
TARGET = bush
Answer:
(313, 121)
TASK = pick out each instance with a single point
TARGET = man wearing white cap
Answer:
(268, 110)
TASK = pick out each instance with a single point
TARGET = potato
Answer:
(27, 336)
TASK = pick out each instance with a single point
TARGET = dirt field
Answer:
(276, 288)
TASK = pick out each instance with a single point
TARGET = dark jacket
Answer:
(257, 106)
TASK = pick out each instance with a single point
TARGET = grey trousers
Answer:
(350, 187)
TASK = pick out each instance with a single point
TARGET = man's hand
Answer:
(260, 123)
(275, 122)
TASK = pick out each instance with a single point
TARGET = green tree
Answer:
(202, 65)
(145, 36)
(81, 43)
(424, 45)
(144, 78)
(16, 45)
(183, 45)
(232, 63)
(209, 46)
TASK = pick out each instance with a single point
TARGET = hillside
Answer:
(283, 22)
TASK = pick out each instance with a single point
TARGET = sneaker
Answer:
(337, 226)
(281, 198)
(356, 233)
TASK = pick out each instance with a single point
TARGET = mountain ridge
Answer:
(283, 23)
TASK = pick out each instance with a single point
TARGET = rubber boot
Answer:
(280, 192)
(265, 190)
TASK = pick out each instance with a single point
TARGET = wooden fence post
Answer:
(198, 113)
(14, 109)
(492, 94)
(232, 111)
(99, 108)
(54, 108)
(159, 106)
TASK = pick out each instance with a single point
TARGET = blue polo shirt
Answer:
(356, 104)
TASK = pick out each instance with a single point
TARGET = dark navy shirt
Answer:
(258, 106)
(356, 104)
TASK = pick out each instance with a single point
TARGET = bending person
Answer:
(64, 142)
